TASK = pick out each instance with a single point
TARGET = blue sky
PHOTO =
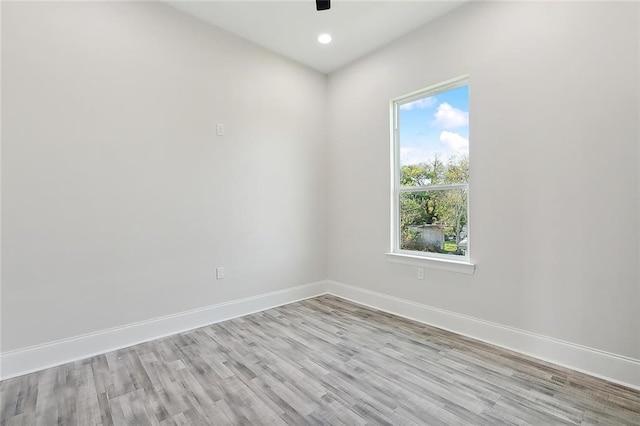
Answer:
(438, 125)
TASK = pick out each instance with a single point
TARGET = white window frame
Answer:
(449, 262)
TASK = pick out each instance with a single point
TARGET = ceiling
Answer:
(291, 28)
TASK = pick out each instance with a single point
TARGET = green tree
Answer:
(453, 205)
(445, 207)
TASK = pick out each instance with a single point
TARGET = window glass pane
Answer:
(434, 221)
(435, 172)
(434, 139)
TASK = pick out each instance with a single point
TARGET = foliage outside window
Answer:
(431, 171)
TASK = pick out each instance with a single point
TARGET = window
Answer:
(431, 172)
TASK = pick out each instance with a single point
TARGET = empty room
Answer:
(320, 212)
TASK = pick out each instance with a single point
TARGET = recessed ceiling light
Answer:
(324, 38)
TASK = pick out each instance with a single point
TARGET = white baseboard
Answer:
(608, 366)
(35, 358)
(612, 367)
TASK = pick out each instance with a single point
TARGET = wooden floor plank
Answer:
(319, 361)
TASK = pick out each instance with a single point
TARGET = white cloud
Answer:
(457, 144)
(418, 155)
(449, 146)
(449, 117)
(415, 155)
(419, 104)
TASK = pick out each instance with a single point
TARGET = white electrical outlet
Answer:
(220, 129)
(219, 272)
(421, 273)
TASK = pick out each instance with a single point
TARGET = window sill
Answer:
(461, 267)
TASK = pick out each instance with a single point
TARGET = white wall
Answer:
(554, 100)
(118, 199)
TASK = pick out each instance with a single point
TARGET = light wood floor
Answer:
(319, 361)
